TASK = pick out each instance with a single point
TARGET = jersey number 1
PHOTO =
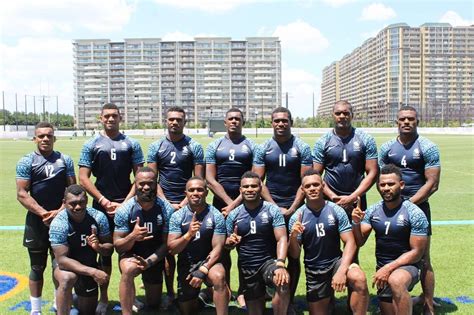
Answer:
(282, 160)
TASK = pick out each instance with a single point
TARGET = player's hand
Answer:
(48, 216)
(347, 202)
(281, 277)
(140, 232)
(176, 206)
(234, 239)
(380, 278)
(357, 213)
(92, 239)
(339, 280)
(194, 226)
(226, 210)
(196, 278)
(100, 276)
(141, 263)
(298, 227)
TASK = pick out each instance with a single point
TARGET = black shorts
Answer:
(36, 235)
(86, 286)
(154, 274)
(318, 283)
(254, 282)
(185, 291)
(425, 207)
(385, 294)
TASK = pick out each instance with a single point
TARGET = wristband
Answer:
(204, 265)
(354, 223)
(198, 274)
(186, 238)
(281, 260)
(100, 199)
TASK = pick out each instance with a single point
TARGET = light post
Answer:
(256, 127)
(138, 110)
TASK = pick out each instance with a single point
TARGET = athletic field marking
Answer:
(11, 284)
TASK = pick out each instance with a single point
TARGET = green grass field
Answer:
(452, 245)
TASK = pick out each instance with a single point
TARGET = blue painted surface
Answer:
(7, 283)
(465, 300)
(25, 305)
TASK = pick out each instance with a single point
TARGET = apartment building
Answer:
(427, 67)
(206, 76)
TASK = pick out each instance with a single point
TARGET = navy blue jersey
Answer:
(175, 163)
(258, 243)
(111, 162)
(412, 159)
(65, 231)
(282, 162)
(47, 176)
(321, 236)
(344, 159)
(393, 229)
(232, 159)
(156, 221)
(212, 222)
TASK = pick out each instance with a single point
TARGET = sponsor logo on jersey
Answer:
(159, 219)
(209, 223)
(185, 151)
(400, 220)
(245, 148)
(416, 153)
(356, 146)
(123, 144)
(264, 218)
(331, 220)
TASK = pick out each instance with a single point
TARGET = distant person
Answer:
(41, 178)
(401, 231)
(348, 158)
(140, 238)
(77, 235)
(419, 160)
(175, 158)
(257, 229)
(227, 159)
(111, 157)
(197, 235)
(319, 226)
(283, 160)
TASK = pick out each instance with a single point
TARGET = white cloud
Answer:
(455, 19)
(177, 36)
(300, 85)
(301, 37)
(337, 3)
(38, 66)
(29, 17)
(213, 6)
(377, 12)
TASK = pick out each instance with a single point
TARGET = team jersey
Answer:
(344, 159)
(393, 229)
(47, 176)
(65, 231)
(197, 250)
(412, 159)
(232, 159)
(321, 236)
(156, 221)
(282, 162)
(175, 163)
(111, 162)
(256, 227)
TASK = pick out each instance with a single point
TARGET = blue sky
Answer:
(36, 36)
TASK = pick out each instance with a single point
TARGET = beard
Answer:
(146, 196)
(391, 197)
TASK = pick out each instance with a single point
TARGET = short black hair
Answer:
(283, 110)
(198, 178)
(44, 124)
(391, 169)
(311, 172)
(250, 174)
(343, 102)
(408, 108)
(74, 189)
(146, 169)
(236, 110)
(110, 106)
(178, 109)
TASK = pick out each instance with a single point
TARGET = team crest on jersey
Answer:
(416, 153)
(264, 218)
(123, 144)
(331, 220)
(185, 151)
(209, 223)
(59, 163)
(245, 148)
(293, 152)
(159, 219)
(356, 146)
(400, 220)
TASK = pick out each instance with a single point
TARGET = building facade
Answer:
(207, 76)
(427, 67)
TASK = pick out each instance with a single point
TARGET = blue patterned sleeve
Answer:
(430, 154)
(121, 217)
(230, 220)
(23, 167)
(137, 153)
(211, 152)
(198, 152)
(69, 166)
(342, 219)
(370, 147)
(153, 151)
(259, 155)
(278, 219)
(318, 150)
(368, 214)
(305, 150)
(101, 219)
(418, 221)
(167, 212)
(383, 154)
(58, 229)
(219, 220)
(86, 153)
(175, 221)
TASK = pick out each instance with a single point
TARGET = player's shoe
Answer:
(101, 309)
(137, 305)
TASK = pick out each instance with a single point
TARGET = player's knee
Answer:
(357, 279)
(36, 272)
(218, 278)
(397, 285)
(67, 280)
(129, 269)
